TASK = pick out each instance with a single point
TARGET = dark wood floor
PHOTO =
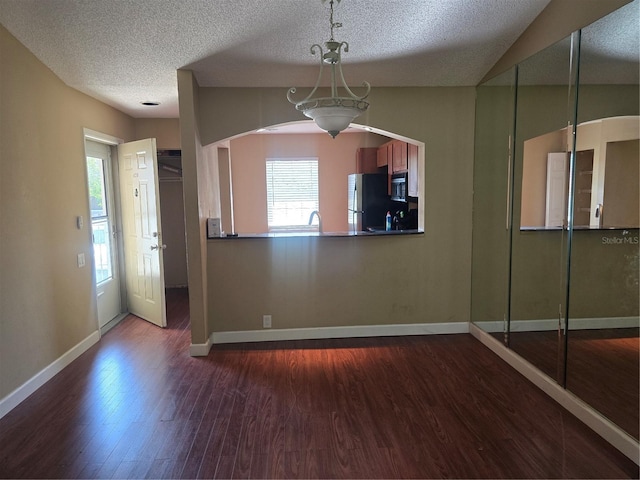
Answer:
(136, 405)
(603, 368)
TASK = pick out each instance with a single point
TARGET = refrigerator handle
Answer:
(355, 195)
(354, 212)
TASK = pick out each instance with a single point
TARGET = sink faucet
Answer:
(316, 213)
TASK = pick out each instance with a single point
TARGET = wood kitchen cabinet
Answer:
(394, 155)
(382, 157)
(366, 160)
(399, 160)
(412, 167)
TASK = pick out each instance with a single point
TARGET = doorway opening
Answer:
(126, 229)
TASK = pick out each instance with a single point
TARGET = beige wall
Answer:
(166, 131)
(425, 278)
(47, 303)
(336, 160)
(327, 282)
(621, 198)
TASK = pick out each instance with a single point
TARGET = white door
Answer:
(103, 231)
(142, 235)
(556, 208)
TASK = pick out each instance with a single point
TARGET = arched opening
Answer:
(244, 162)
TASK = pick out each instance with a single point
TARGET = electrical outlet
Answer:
(266, 321)
(81, 262)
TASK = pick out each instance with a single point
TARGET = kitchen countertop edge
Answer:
(320, 235)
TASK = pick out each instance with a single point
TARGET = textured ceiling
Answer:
(125, 52)
(609, 53)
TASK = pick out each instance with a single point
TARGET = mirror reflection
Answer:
(495, 103)
(606, 169)
(556, 255)
(539, 257)
(603, 339)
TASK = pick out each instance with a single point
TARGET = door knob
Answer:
(156, 247)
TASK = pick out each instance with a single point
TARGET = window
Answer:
(99, 219)
(292, 193)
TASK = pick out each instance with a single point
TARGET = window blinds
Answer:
(292, 192)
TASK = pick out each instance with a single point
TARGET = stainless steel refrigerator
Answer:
(368, 201)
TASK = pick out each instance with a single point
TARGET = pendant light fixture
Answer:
(333, 113)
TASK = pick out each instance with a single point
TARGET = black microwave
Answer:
(399, 191)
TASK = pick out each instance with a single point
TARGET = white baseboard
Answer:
(275, 334)
(613, 434)
(12, 400)
(200, 349)
(551, 324)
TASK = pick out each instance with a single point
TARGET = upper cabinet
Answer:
(383, 155)
(399, 161)
(366, 160)
(400, 157)
(393, 154)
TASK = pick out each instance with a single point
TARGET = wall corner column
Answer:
(195, 226)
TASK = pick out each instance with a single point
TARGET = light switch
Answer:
(213, 227)
(80, 260)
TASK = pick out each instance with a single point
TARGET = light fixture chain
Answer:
(333, 24)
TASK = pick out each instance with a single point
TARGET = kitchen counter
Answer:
(375, 233)
(575, 228)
